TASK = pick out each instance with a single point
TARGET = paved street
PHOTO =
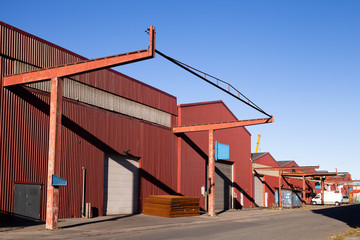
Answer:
(311, 223)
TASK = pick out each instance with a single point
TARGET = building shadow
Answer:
(12, 220)
(349, 214)
(204, 156)
(29, 97)
(97, 221)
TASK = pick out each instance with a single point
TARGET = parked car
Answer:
(330, 197)
(345, 199)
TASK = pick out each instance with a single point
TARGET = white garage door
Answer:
(258, 191)
(121, 185)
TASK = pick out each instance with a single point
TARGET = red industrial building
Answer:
(234, 185)
(111, 124)
(266, 183)
(117, 140)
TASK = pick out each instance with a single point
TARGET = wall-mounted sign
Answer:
(222, 151)
(57, 181)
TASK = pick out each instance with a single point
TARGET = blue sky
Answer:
(298, 60)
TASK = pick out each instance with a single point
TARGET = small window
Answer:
(346, 197)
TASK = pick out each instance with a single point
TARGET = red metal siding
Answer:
(27, 48)
(24, 153)
(87, 133)
(194, 150)
(272, 183)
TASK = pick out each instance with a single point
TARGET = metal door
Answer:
(223, 185)
(27, 199)
(121, 190)
(258, 185)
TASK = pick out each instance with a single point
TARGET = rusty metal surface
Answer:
(211, 187)
(222, 125)
(54, 159)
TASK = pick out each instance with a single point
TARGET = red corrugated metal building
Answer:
(268, 181)
(116, 128)
(233, 176)
(105, 113)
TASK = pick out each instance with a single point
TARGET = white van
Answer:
(330, 197)
(345, 199)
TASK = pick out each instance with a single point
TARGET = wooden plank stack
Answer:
(171, 206)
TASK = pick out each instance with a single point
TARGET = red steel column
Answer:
(52, 205)
(322, 191)
(178, 187)
(280, 189)
(303, 197)
(211, 174)
(264, 189)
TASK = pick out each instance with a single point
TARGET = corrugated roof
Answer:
(255, 156)
(283, 163)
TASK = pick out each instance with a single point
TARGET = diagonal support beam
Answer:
(84, 66)
(222, 125)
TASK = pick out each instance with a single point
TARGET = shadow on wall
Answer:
(349, 214)
(30, 98)
(204, 156)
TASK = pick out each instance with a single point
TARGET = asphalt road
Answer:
(313, 223)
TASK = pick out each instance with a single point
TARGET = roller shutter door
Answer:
(258, 185)
(223, 185)
(121, 185)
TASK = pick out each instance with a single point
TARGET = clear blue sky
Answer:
(298, 60)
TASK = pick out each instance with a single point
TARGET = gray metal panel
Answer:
(258, 187)
(121, 180)
(27, 199)
(223, 185)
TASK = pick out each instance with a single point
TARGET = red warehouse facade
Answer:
(233, 177)
(112, 125)
(117, 140)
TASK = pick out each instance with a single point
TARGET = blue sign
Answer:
(57, 181)
(222, 151)
(318, 185)
(350, 190)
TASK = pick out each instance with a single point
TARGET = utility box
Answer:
(27, 199)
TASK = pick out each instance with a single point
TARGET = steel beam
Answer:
(288, 168)
(222, 125)
(211, 174)
(322, 191)
(303, 186)
(84, 66)
(52, 203)
(280, 188)
(309, 174)
(264, 190)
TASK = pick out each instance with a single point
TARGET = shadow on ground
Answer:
(97, 221)
(349, 214)
(18, 222)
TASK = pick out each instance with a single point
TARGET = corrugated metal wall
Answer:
(194, 151)
(32, 50)
(87, 133)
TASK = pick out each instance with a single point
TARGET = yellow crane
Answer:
(257, 144)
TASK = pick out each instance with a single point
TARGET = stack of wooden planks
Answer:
(171, 206)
